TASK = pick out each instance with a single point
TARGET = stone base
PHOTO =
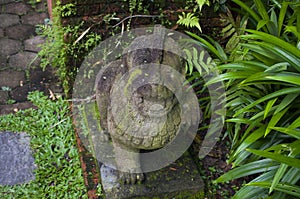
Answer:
(179, 180)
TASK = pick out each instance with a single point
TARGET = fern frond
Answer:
(189, 20)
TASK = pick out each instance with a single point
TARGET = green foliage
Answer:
(261, 75)
(65, 46)
(58, 173)
(189, 20)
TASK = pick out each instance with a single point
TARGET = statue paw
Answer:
(131, 178)
(104, 136)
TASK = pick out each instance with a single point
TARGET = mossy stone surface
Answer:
(179, 180)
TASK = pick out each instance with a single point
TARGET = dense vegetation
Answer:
(260, 68)
(257, 54)
(58, 173)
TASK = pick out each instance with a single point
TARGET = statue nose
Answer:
(145, 90)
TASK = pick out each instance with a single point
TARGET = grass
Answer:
(58, 173)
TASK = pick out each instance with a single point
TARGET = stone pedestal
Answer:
(179, 180)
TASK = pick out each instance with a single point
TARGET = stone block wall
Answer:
(19, 44)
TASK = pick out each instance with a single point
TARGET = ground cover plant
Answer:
(58, 173)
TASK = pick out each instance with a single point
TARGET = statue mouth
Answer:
(154, 101)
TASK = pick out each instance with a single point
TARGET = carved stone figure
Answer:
(149, 118)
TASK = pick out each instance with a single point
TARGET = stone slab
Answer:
(17, 163)
(13, 108)
(3, 61)
(9, 46)
(1, 32)
(11, 78)
(18, 8)
(34, 18)
(3, 96)
(24, 60)
(20, 32)
(179, 180)
(7, 20)
(6, 1)
(33, 43)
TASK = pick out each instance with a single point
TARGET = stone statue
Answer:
(149, 118)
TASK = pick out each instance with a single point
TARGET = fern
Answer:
(201, 3)
(233, 28)
(189, 20)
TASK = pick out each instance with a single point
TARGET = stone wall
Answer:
(19, 44)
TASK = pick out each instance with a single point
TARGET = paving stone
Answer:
(18, 8)
(1, 32)
(17, 163)
(20, 93)
(7, 20)
(34, 18)
(11, 78)
(33, 43)
(3, 61)
(9, 46)
(3, 97)
(24, 60)
(41, 7)
(12, 108)
(179, 180)
(20, 32)
(6, 1)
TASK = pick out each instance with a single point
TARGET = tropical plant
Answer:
(262, 88)
(191, 19)
(263, 103)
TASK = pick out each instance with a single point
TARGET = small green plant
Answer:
(192, 19)
(65, 46)
(58, 173)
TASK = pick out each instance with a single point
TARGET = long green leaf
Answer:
(248, 169)
(281, 92)
(288, 131)
(277, 157)
(295, 124)
(273, 40)
(206, 44)
(269, 106)
(287, 100)
(254, 136)
(286, 188)
(247, 9)
(282, 15)
(278, 176)
(274, 120)
(285, 77)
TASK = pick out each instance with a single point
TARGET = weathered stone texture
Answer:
(20, 93)
(7, 20)
(18, 8)
(17, 163)
(11, 78)
(9, 46)
(3, 96)
(24, 60)
(6, 1)
(34, 18)
(32, 44)
(3, 61)
(1, 32)
(20, 32)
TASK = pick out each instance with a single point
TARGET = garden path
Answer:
(19, 44)
(20, 74)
